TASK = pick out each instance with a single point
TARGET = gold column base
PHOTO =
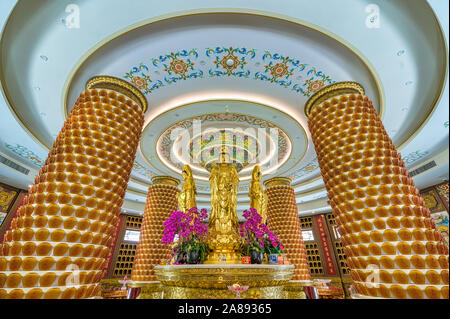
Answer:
(149, 289)
(294, 289)
(217, 257)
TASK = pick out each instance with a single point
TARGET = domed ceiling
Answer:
(218, 77)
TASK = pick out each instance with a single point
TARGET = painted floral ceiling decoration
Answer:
(26, 154)
(271, 67)
(308, 169)
(165, 143)
(413, 157)
(142, 171)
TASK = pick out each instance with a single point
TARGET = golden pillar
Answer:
(282, 218)
(59, 240)
(391, 244)
(161, 202)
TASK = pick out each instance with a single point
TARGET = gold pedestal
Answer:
(212, 281)
(294, 289)
(149, 289)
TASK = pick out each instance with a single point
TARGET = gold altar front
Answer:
(149, 289)
(211, 281)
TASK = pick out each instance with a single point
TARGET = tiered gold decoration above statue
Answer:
(258, 199)
(186, 198)
(224, 239)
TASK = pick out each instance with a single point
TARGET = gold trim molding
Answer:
(166, 180)
(276, 181)
(330, 91)
(118, 85)
(220, 276)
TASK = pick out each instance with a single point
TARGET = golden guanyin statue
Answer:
(258, 199)
(186, 198)
(224, 238)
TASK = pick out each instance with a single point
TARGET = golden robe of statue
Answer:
(258, 199)
(224, 238)
(186, 198)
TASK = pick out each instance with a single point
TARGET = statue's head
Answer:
(256, 174)
(187, 172)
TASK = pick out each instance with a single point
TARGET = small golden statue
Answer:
(224, 239)
(258, 199)
(186, 198)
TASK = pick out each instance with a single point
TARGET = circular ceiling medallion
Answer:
(245, 141)
(248, 133)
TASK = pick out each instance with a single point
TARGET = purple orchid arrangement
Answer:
(257, 236)
(192, 231)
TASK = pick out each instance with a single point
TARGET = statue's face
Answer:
(256, 173)
(186, 171)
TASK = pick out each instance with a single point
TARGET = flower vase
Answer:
(256, 257)
(181, 258)
(273, 259)
(193, 257)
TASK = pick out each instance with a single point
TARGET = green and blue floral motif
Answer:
(141, 80)
(143, 171)
(413, 157)
(277, 69)
(26, 154)
(179, 68)
(312, 166)
(227, 61)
